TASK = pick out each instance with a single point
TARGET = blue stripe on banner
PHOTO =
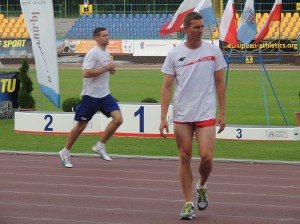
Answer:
(208, 16)
(51, 95)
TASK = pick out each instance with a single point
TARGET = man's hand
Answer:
(221, 123)
(164, 125)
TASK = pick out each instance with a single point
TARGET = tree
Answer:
(25, 99)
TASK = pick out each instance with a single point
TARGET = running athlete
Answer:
(97, 67)
(196, 68)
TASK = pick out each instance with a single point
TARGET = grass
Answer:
(245, 105)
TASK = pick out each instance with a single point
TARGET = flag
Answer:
(39, 19)
(205, 8)
(247, 28)
(275, 15)
(175, 24)
(228, 25)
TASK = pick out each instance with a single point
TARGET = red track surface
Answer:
(38, 190)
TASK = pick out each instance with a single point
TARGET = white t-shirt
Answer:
(195, 91)
(97, 86)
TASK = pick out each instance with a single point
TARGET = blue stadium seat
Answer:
(130, 16)
(116, 16)
(170, 16)
(157, 16)
(150, 15)
(103, 16)
(138, 16)
(97, 16)
(164, 16)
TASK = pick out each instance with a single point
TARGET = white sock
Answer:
(190, 202)
(66, 151)
(100, 144)
(202, 186)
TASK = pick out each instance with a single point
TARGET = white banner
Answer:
(158, 47)
(39, 19)
(153, 47)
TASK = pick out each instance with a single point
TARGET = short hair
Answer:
(191, 16)
(97, 30)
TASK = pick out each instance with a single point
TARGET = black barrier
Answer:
(285, 46)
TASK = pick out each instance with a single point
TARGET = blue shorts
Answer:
(89, 106)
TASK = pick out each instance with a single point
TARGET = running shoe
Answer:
(202, 198)
(187, 212)
(101, 152)
(65, 159)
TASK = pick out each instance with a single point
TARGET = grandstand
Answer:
(139, 26)
(13, 27)
(120, 26)
(289, 26)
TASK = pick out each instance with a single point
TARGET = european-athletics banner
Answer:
(39, 19)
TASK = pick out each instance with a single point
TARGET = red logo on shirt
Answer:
(208, 58)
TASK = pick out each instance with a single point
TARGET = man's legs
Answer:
(184, 139)
(99, 148)
(206, 143)
(117, 120)
(74, 134)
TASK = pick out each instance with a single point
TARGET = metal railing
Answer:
(68, 9)
(134, 8)
(14, 10)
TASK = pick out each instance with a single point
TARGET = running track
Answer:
(36, 189)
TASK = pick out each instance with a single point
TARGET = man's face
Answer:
(102, 38)
(195, 30)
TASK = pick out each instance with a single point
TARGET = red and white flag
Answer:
(275, 15)
(228, 32)
(175, 24)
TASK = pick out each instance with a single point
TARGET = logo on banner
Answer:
(9, 88)
(276, 134)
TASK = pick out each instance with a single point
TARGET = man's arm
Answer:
(88, 73)
(166, 93)
(221, 94)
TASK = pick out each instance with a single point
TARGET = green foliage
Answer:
(69, 105)
(25, 99)
(149, 100)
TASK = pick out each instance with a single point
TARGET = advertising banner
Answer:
(9, 87)
(286, 46)
(39, 19)
(15, 48)
(83, 46)
(157, 47)
(153, 47)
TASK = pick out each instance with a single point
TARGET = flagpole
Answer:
(279, 36)
(212, 41)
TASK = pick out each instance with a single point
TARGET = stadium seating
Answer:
(288, 28)
(143, 26)
(120, 26)
(12, 27)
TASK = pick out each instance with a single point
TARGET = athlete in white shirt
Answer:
(196, 69)
(97, 67)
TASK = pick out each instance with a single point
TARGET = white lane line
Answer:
(165, 212)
